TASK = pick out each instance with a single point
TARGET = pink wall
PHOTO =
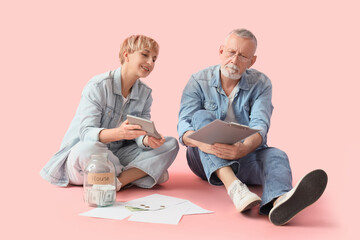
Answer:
(49, 51)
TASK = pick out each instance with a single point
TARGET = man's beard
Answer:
(231, 71)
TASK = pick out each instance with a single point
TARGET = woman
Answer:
(100, 124)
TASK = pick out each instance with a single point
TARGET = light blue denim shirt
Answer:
(252, 102)
(101, 107)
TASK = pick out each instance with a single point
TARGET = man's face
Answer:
(237, 54)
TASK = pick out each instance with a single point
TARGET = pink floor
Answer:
(50, 49)
(50, 212)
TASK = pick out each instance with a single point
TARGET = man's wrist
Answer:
(186, 140)
(247, 149)
(252, 143)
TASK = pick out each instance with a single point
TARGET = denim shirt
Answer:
(101, 107)
(252, 102)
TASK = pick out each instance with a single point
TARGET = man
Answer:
(233, 92)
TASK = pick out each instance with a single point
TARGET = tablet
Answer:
(146, 125)
(220, 131)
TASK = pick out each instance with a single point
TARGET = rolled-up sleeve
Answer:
(261, 110)
(90, 112)
(191, 101)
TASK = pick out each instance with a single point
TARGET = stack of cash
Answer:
(100, 195)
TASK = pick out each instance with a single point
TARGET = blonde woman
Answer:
(100, 124)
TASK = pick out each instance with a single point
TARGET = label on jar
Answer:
(101, 178)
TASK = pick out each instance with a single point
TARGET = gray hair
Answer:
(244, 33)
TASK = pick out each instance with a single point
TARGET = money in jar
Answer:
(99, 181)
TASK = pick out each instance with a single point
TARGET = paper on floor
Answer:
(154, 202)
(154, 208)
(116, 211)
(170, 215)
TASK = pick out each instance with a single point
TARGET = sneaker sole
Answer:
(308, 190)
(249, 206)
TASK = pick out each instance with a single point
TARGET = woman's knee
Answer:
(171, 144)
(82, 151)
(87, 149)
(78, 158)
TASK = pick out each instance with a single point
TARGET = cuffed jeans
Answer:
(267, 166)
(124, 155)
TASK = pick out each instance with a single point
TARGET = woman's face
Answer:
(142, 62)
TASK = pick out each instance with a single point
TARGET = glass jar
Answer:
(99, 181)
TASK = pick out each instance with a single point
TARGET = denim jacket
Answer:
(252, 102)
(101, 107)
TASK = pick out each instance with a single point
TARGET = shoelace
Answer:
(242, 190)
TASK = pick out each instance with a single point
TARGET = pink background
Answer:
(50, 50)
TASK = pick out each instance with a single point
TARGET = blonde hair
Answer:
(136, 43)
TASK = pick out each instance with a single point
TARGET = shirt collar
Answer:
(215, 81)
(134, 93)
(244, 83)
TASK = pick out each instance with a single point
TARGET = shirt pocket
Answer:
(211, 106)
(107, 117)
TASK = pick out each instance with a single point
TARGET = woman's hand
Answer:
(128, 132)
(153, 142)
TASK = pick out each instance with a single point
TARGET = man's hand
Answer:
(226, 151)
(207, 148)
(192, 143)
(230, 152)
(237, 150)
(153, 142)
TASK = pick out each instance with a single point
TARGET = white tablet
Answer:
(220, 131)
(147, 125)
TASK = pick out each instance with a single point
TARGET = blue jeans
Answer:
(267, 166)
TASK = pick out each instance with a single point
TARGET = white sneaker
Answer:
(241, 196)
(306, 192)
